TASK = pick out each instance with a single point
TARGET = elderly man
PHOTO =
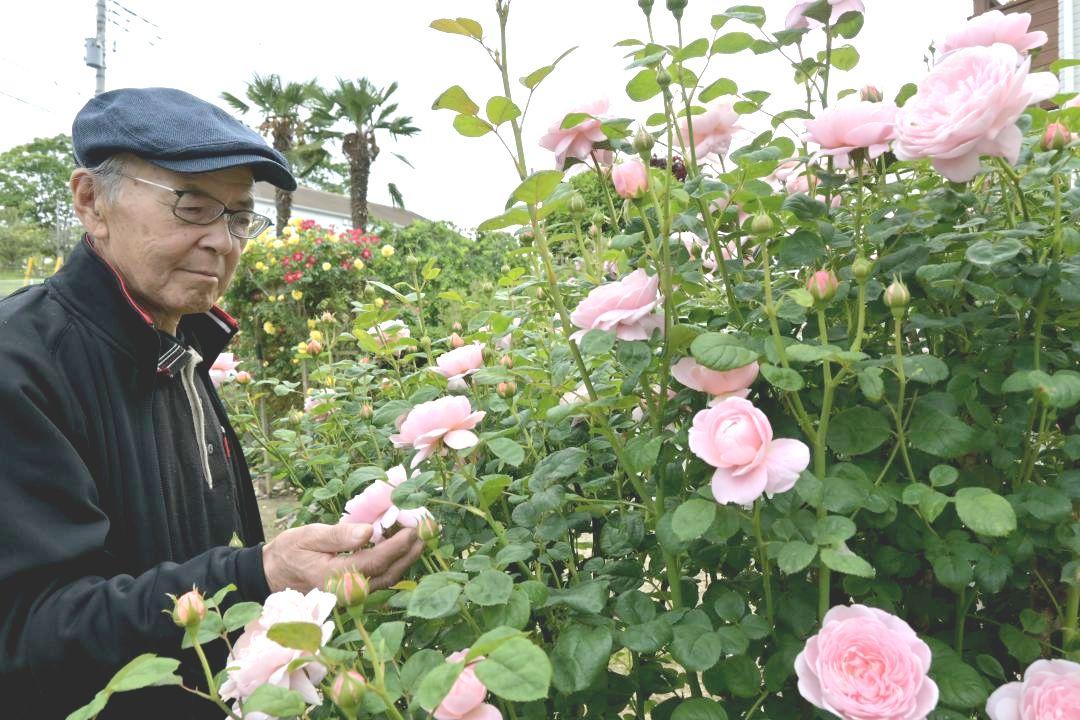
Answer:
(122, 479)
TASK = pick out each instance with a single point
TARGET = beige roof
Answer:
(327, 202)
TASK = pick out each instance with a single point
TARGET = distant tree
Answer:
(34, 190)
(352, 113)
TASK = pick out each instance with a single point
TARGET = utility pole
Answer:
(95, 49)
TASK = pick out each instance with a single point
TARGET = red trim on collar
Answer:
(123, 286)
(226, 317)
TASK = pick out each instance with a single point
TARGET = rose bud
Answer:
(456, 327)
(347, 691)
(314, 347)
(871, 94)
(643, 143)
(366, 411)
(456, 341)
(190, 609)
(351, 588)
(761, 224)
(506, 361)
(506, 389)
(861, 269)
(577, 205)
(243, 377)
(631, 179)
(327, 317)
(897, 296)
(428, 529)
(822, 285)
(1056, 137)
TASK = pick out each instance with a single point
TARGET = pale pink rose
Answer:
(625, 306)
(460, 363)
(713, 130)
(389, 331)
(313, 401)
(967, 107)
(465, 701)
(846, 127)
(631, 179)
(796, 19)
(995, 27)
(223, 369)
(578, 141)
(696, 247)
(578, 395)
(374, 506)
(865, 664)
(257, 660)
(720, 384)
(438, 424)
(1050, 691)
(737, 439)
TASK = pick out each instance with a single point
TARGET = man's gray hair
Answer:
(108, 176)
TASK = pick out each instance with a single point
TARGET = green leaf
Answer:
(500, 109)
(695, 649)
(959, 684)
(455, 98)
(92, 708)
(587, 597)
(987, 254)
(857, 430)
(437, 683)
(419, 664)
(538, 187)
(536, 76)
(905, 93)
(844, 57)
(647, 637)
(925, 369)
(507, 450)
(723, 86)
(844, 561)
(871, 384)
(275, 701)
(471, 126)
(741, 676)
(719, 351)
(144, 671)
(580, 657)
(833, 529)
(435, 596)
(597, 342)
(387, 639)
(459, 26)
(240, 615)
(782, 378)
(643, 86)
(985, 512)
(943, 475)
(795, 556)
(693, 518)
(517, 671)
(732, 42)
(490, 587)
(486, 643)
(642, 451)
(699, 709)
(939, 434)
(556, 466)
(804, 207)
(296, 635)
(1022, 647)
(696, 49)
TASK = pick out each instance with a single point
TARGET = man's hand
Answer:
(306, 557)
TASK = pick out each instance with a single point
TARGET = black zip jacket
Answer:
(88, 546)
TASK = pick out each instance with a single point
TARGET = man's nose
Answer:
(218, 238)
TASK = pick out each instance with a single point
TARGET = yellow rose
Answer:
(268, 328)
(316, 335)
(296, 294)
(310, 323)
(260, 266)
(326, 266)
(358, 264)
(277, 244)
(301, 348)
(387, 250)
(280, 298)
(292, 240)
(295, 222)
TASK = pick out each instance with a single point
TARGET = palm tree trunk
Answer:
(283, 206)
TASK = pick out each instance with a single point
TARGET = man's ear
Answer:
(88, 204)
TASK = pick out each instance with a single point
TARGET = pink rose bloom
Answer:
(631, 179)
(223, 369)
(865, 664)
(967, 107)
(720, 384)
(459, 363)
(465, 701)
(578, 141)
(1050, 691)
(995, 27)
(389, 331)
(796, 19)
(713, 130)
(447, 421)
(374, 507)
(625, 306)
(736, 438)
(256, 660)
(844, 128)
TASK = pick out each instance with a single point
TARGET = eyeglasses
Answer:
(198, 208)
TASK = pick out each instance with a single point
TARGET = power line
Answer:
(28, 103)
(60, 86)
(156, 28)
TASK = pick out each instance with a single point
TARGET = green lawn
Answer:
(9, 282)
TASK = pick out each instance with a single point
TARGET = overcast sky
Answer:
(207, 46)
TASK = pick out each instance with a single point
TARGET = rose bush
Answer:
(818, 459)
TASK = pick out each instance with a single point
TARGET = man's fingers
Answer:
(343, 537)
(377, 560)
(398, 567)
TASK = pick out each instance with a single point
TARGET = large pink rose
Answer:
(625, 306)
(447, 421)
(1050, 691)
(713, 130)
(720, 384)
(796, 19)
(257, 660)
(223, 369)
(374, 507)
(578, 141)
(465, 701)
(736, 438)
(847, 127)
(457, 364)
(967, 106)
(995, 27)
(865, 664)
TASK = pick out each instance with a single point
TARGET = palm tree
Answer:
(352, 113)
(282, 110)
